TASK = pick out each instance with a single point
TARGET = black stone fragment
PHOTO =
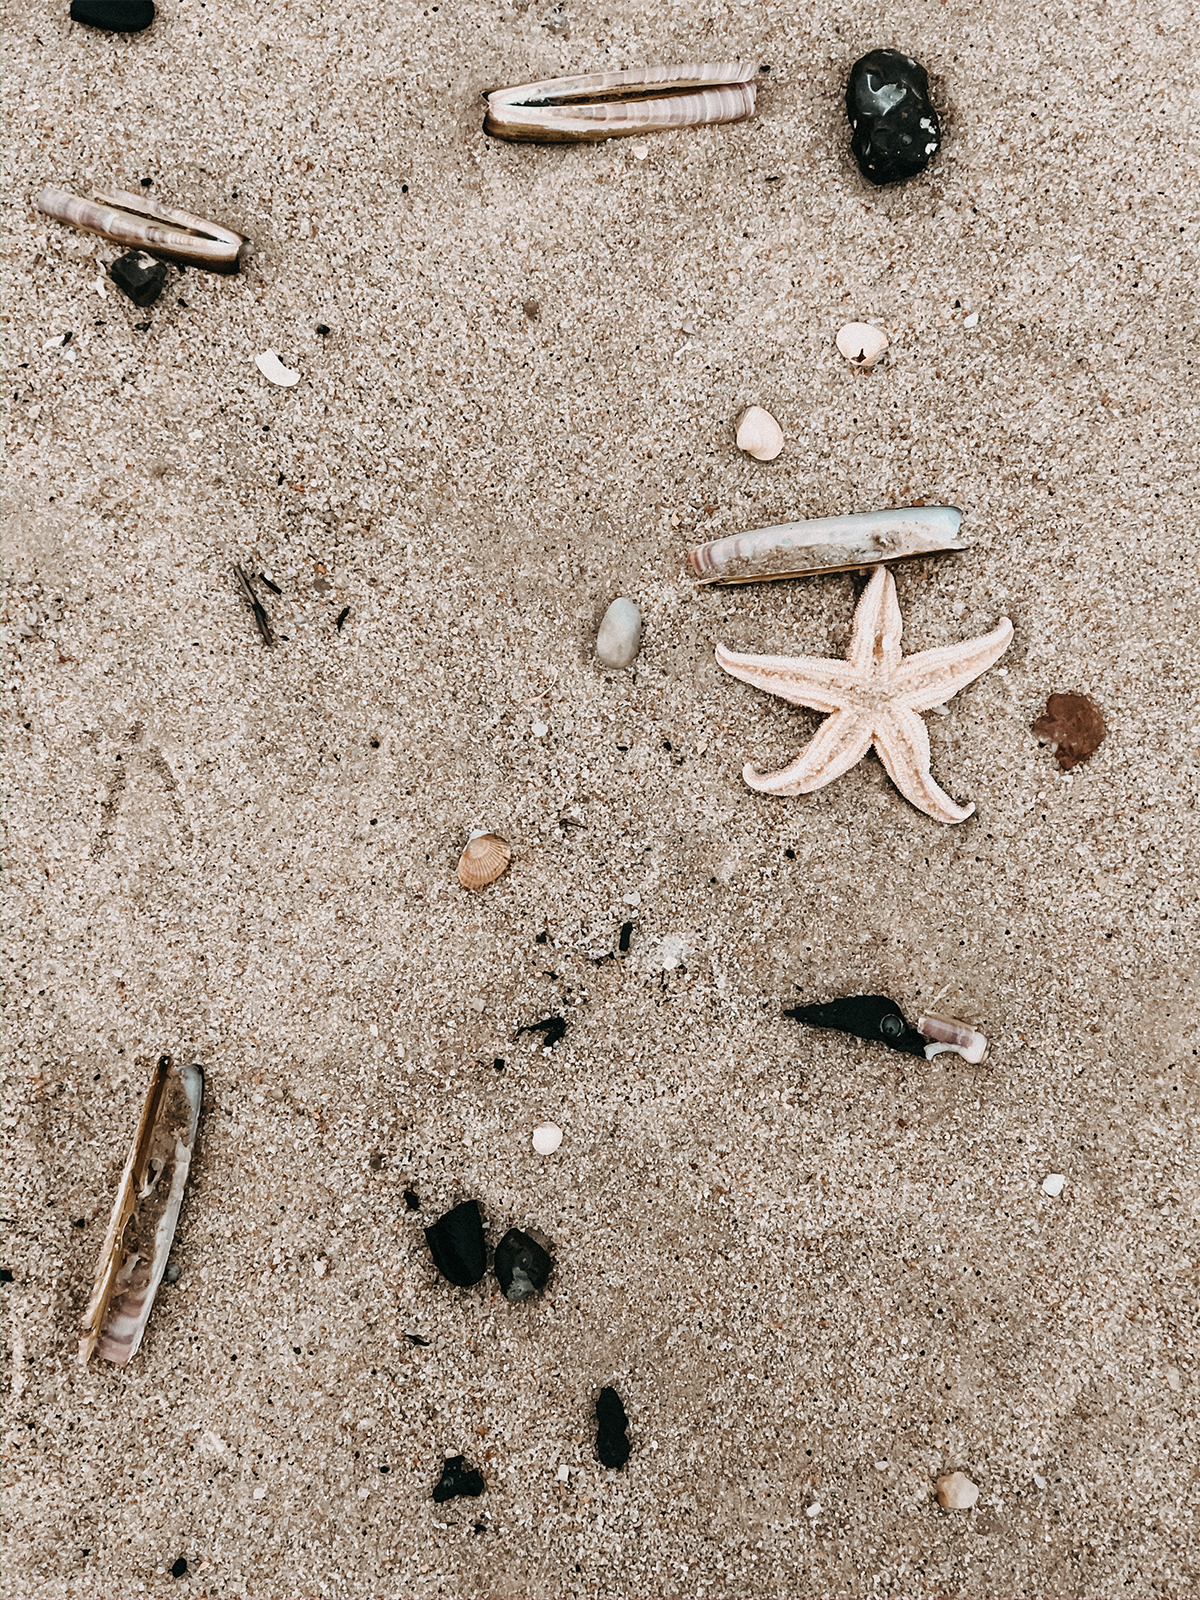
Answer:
(551, 1028)
(415, 1338)
(5, 1275)
(895, 127)
(412, 1201)
(139, 276)
(521, 1265)
(342, 615)
(612, 1444)
(114, 16)
(322, 329)
(179, 1568)
(867, 1016)
(457, 1478)
(456, 1244)
(623, 941)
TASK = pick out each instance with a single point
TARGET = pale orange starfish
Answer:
(875, 696)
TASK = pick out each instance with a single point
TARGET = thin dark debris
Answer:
(867, 1016)
(626, 934)
(274, 587)
(415, 1338)
(342, 615)
(261, 620)
(552, 1029)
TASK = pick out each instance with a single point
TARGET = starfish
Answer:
(874, 696)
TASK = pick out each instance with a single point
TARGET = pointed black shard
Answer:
(456, 1244)
(551, 1029)
(457, 1478)
(612, 1444)
(521, 1265)
(139, 275)
(867, 1016)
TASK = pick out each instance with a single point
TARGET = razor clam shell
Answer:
(129, 219)
(947, 1033)
(142, 1225)
(614, 105)
(827, 544)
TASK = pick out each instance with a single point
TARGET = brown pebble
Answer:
(1072, 726)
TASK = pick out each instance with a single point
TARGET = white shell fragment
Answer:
(758, 434)
(861, 344)
(613, 105)
(142, 1225)
(483, 860)
(1054, 1185)
(620, 635)
(956, 1492)
(947, 1033)
(274, 371)
(547, 1138)
(827, 544)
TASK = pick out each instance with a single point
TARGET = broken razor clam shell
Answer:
(133, 219)
(827, 544)
(613, 105)
(143, 1219)
(947, 1033)
(274, 371)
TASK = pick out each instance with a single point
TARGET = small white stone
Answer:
(1054, 1185)
(547, 1138)
(1039, 1480)
(861, 344)
(813, 1510)
(539, 730)
(320, 1268)
(1174, 1381)
(956, 1492)
(564, 1472)
(881, 1466)
(274, 371)
(477, 1003)
(972, 321)
(758, 434)
(639, 152)
(633, 899)
(620, 635)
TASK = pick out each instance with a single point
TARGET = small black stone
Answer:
(521, 1265)
(114, 16)
(179, 1568)
(457, 1478)
(5, 1275)
(626, 935)
(867, 1016)
(139, 276)
(456, 1244)
(412, 1200)
(322, 329)
(895, 126)
(612, 1445)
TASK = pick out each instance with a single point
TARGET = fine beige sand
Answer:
(820, 1274)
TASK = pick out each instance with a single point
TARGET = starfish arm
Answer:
(931, 676)
(838, 743)
(875, 636)
(903, 746)
(813, 681)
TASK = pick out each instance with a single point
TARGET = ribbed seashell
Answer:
(758, 434)
(142, 1225)
(612, 105)
(484, 859)
(130, 219)
(827, 544)
(861, 344)
(950, 1034)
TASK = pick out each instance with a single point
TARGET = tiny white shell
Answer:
(861, 344)
(274, 371)
(956, 1492)
(1054, 1185)
(484, 859)
(758, 434)
(547, 1138)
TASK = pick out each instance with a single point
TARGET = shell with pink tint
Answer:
(484, 859)
(947, 1033)
(861, 344)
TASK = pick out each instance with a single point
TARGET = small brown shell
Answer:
(484, 859)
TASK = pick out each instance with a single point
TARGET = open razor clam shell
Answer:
(613, 105)
(134, 220)
(947, 1033)
(143, 1219)
(827, 544)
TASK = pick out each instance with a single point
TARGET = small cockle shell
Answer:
(484, 859)
(861, 344)
(947, 1033)
(274, 371)
(827, 544)
(758, 434)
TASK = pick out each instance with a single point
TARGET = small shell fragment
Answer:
(484, 859)
(547, 1138)
(758, 434)
(827, 544)
(861, 344)
(956, 1492)
(947, 1033)
(274, 371)
(1054, 1185)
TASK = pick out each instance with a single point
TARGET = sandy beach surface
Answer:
(820, 1274)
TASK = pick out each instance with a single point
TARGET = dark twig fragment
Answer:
(342, 615)
(551, 1029)
(261, 620)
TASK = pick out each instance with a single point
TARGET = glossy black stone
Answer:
(114, 16)
(456, 1244)
(521, 1265)
(139, 276)
(457, 1478)
(895, 128)
(867, 1016)
(612, 1445)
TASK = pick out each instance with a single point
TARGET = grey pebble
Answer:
(620, 635)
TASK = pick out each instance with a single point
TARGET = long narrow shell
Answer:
(135, 220)
(142, 1225)
(612, 105)
(947, 1033)
(827, 544)
(482, 862)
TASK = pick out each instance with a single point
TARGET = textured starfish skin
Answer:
(874, 697)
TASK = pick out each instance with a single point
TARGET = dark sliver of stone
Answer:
(612, 1443)
(867, 1016)
(1072, 726)
(139, 276)
(521, 1265)
(551, 1029)
(456, 1244)
(457, 1479)
(114, 16)
(895, 127)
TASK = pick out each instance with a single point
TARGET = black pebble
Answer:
(896, 130)
(322, 329)
(551, 1028)
(612, 1445)
(5, 1275)
(457, 1478)
(139, 276)
(456, 1245)
(179, 1568)
(114, 16)
(412, 1201)
(867, 1016)
(521, 1265)
(623, 941)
